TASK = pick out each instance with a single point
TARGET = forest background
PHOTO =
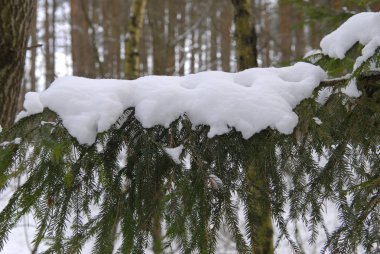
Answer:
(87, 37)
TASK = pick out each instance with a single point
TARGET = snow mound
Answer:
(248, 101)
(363, 28)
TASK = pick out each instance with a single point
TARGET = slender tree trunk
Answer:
(315, 31)
(15, 20)
(170, 41)
(124, 21)
(32, 72)
(47, 54)
(49, 41)
(84, 62)
(53, 40)
(132, 60)
(267, 47)
(144, 50)
(200, 51)
(107, 6)
(245, 34)
(214, 64)
(226, 22)
(193, 51)
(181, 30)
(259, 212)
(157, 18)
(115, 22)
(285, 11)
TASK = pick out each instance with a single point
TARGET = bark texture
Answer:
(81, 49)
(245, 34)
(15, 20)
(132, 60)
(226, 18)
(258, 206)
(285, 12)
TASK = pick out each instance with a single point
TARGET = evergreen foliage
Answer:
(125, 186)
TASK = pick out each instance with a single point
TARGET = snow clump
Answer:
(249, 101)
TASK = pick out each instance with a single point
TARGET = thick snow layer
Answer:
(363, 28)
(249, 101)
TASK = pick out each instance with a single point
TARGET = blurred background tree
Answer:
(88, 37)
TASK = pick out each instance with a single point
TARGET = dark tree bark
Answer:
(81, 49)
(245, 34)
(49, 42)
(226, 21)
(157, 18)
(258, 206)
(285, 12)
(33, 57)
(15, 20)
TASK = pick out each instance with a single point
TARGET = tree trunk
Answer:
(15, 20)
(82, 53)
(157, 19)
(285, 31)
(132, 61)
(182, 58)
(259, 213)
(226, 20)
(170, 41)
(49, 42)
(315, 30)
(214, 21)
(32, 72)
(245, 34)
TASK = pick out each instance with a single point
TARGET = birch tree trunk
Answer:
(15, 20)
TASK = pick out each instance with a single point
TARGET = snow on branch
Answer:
(363, 28)
(248, 101)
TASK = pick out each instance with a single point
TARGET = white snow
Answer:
(249, 101)
(216, 182)
(368, 51)
(33, 104)
(174, 153)
(312, 52)
(351, 89)
(363, 28)
(323, 95)
(16, 141)
(317, 120)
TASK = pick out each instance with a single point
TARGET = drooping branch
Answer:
(364, 80)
